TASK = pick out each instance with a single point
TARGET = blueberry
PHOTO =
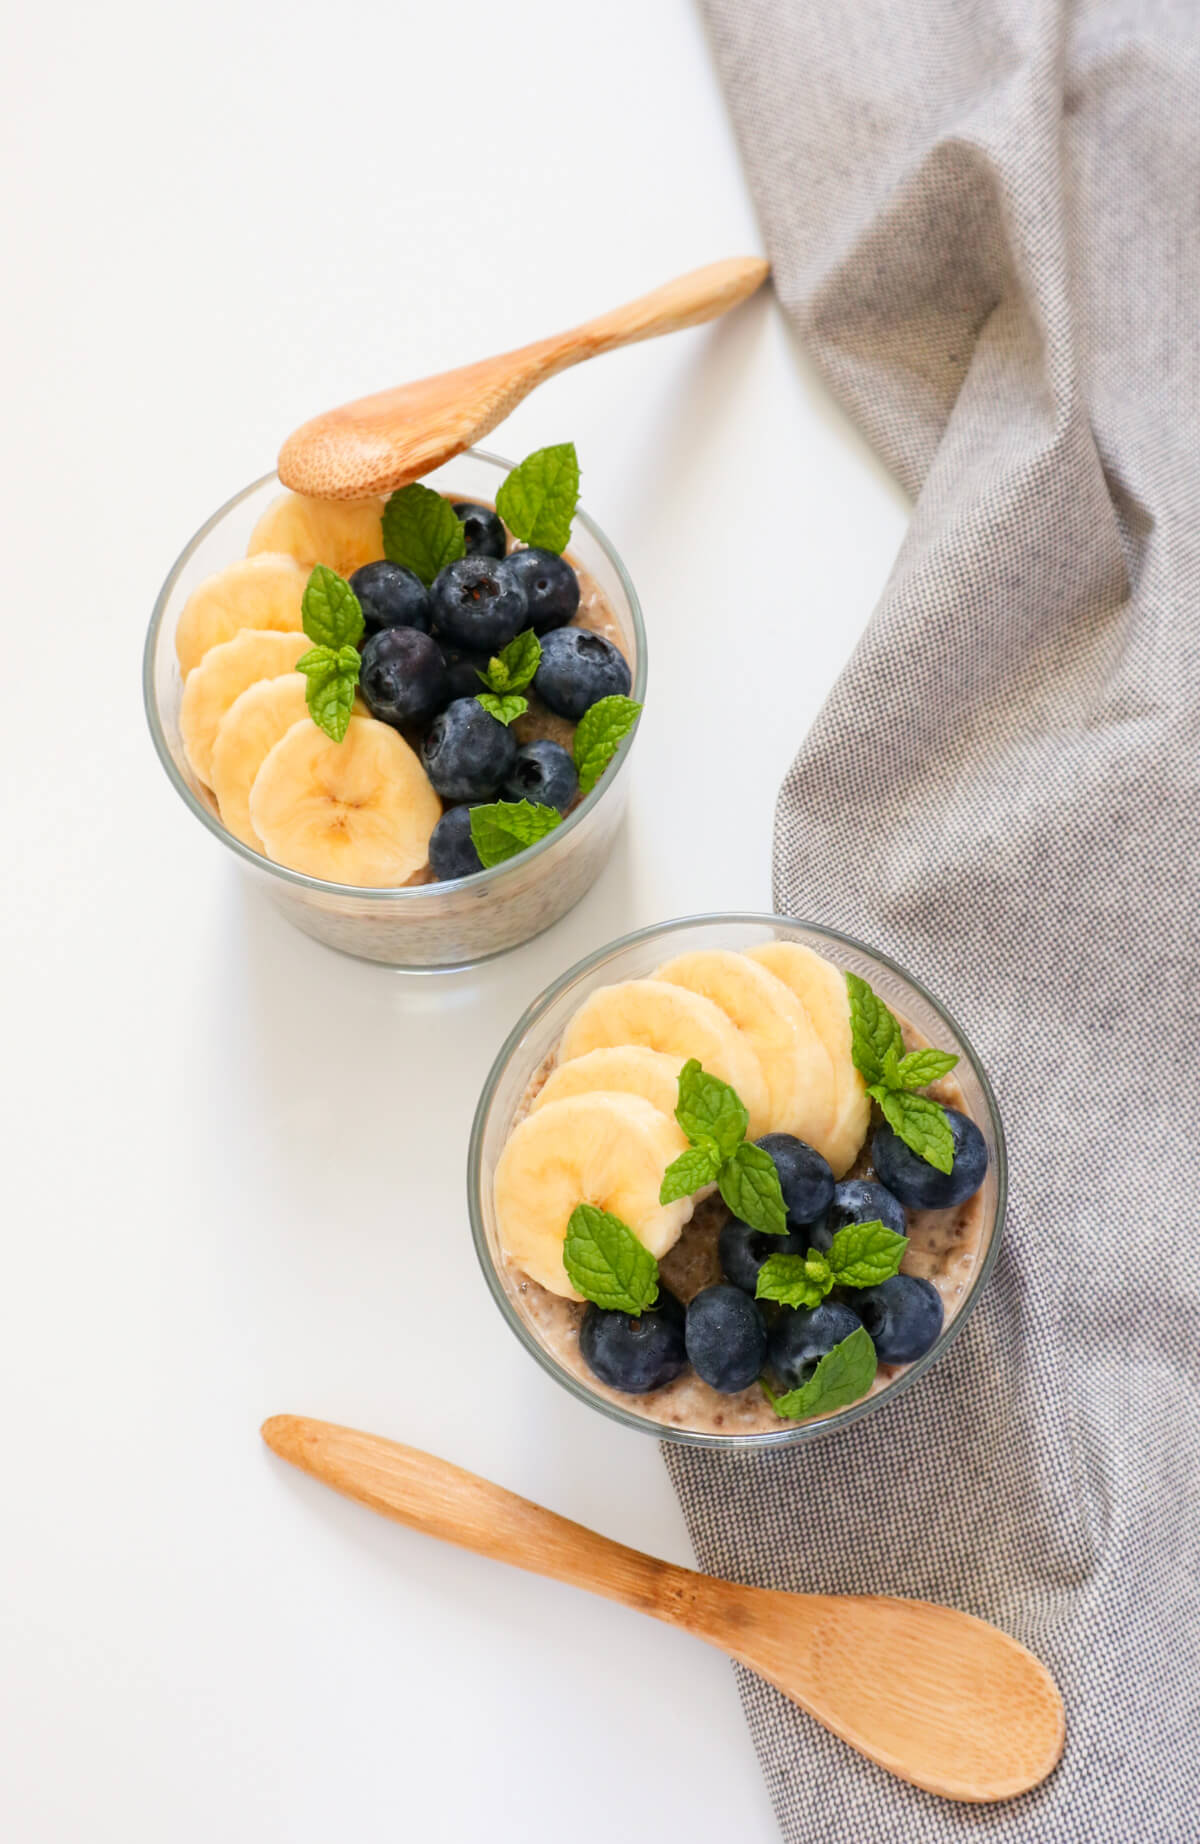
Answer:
(476, 606)
(550, 584)
(805, 1178)
(920, 1185)
(544, 773)
(451, 848)
(403, 675)
(743, 1250)
(903, 1315)
(391, 596)
(483, 529)
(462, 672)
(799, 1340)
(467, 753)
(578, 669)
(726, 1338)
(858, 1200)
(635, 1354)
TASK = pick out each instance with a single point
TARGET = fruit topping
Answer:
(403, 676)
(577, 669)
(920, 1185)
(467, 753)
(627, 1069)
(726, 1338)
(248, 732)
(225, 672)
(542, 772)
(635, 1353)
(742, 1251)
(477, 606)
(804, 1177)
(451, 848)
(799, 1340)
(550, 585)
(858, 1200)
(483, 529)
(343, 534)
(391, 596)
(821, 990)
(903, 1317)
(255, 592)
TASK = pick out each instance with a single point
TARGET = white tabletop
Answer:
(234, 1161)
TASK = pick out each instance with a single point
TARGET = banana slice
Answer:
(622, 1069)
(341, 533)
(261, 592)
(610, 1150)
(678, 1022)
(821, 989)
(222, 676)
(355, 812)
(246, 735)
(795, 1062)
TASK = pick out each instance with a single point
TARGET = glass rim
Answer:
(822, 1426)
(388, 893)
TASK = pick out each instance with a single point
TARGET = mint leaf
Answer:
(864, 1254)
(842, 1376)
(514, 666)
(600, 732)
(708, 1109)
(794, 1280)
(537, 501)
(874, 1033)
(331, 676)
(607, 1264)
(921, 1067)
(506, 827)
(750, 1186)
(693, 1169)
(920, 1123)
(329, 609)
(422, 531)
(505, 710)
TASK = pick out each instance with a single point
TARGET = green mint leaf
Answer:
(506, 827)
(865, 1254)
(607, 1264)
(329, 610)
(708, 1110)
(921, 1067)
(331, 679)
(422, 531)
(513, 668)
(693, 1169)
(537, 501)
(874, 1033)
(505, 710)
(794, 1280)
(750, 1186)
(599, 734)
(842, 1376)
(920, 1123)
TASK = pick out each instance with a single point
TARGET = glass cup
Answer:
(425, 926)
(538, 1031)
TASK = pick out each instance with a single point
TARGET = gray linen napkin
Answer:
(984, 217)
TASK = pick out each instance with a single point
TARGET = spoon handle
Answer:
(688, 301)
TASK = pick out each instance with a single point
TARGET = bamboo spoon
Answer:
(934, 1696)
(381, 442)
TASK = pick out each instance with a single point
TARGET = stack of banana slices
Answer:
(356, 812)
(773, 1022)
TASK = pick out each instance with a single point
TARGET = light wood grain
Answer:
(381, 442)
(934, 1696)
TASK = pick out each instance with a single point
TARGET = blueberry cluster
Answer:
(425, 647)
(730, 1338)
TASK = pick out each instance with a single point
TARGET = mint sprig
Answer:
(537, 500)
(512, 669)
(422, 531)
(892, 1078)
(607, 1264)
(599, 734)
(715, 1122)
(840, 1378)
(506, 827)
(861, 1255)
(505, 710)
(333, 619)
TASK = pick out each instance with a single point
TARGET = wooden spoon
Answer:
(381, 442)
(935, 1696)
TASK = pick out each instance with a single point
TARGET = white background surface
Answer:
(234, 1161)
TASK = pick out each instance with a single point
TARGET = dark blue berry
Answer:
(799, 1340)
(903, 1315)
(726, 1338)
(544, 773)
(451, 848)
(858, 1200)
(743, 1250)
(577, 669)
(550, 584)
(635, 1354)
(920, 1185)
(463, 670)
(476, 606)
(467, 753)
(403, 675)
(483, 529)
(805, 1178)
(391, 596)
